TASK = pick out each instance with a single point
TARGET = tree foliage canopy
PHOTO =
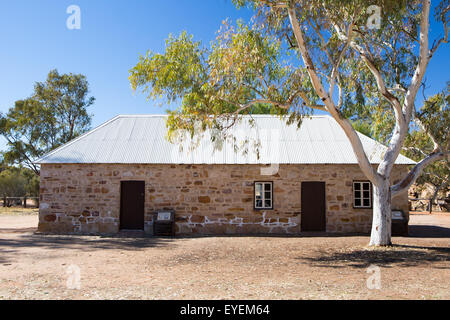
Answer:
(12, 183)
(371, 73)
(432, 131)
(354, 60)
(241, 73)
(54, 114)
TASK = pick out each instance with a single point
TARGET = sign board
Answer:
(164, 225)
(164, 216)
(397, 215)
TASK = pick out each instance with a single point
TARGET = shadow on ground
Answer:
(10, 246)
(395, 256)
(120, 241)
(427, 231)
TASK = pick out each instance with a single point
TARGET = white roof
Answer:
(141, 139)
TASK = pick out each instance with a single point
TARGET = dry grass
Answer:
(18, 211)
(35, 267)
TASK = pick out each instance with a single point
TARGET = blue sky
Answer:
(34, 39)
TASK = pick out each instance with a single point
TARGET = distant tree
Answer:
(17, 181)
(432, 132)
(32, 182)
(55, 114)
(364, 127)
(12, 184)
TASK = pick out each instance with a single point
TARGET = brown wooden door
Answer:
(132, 195)
(313, 206)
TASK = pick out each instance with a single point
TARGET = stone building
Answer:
(120, 174)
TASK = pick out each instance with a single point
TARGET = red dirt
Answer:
(35, 266)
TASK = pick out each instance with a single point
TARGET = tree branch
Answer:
(414, 149)
(415, 172)
(28, 162)
(424, 58)
(285, 105)
(345, 124)
(338, 61)
(276, 4)
(436, 146)
(366, 57)
(308, 103)
(322, 39)
(445, 38)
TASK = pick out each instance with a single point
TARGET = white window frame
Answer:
(263, 195)
(363, 187)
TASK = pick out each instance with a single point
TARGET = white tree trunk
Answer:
(382, 216)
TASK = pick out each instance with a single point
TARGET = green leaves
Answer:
(243, 71)
(12, 183)
(176, 73)
(432, 130)
(55, 114)
(250, 62)
(435, 117)
(18, 182)
(258, 67)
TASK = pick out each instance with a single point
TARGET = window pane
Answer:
(357, 194)
(357, 202)
(258, 188)
(366, 202)
(366, 194)
(357, 186)
(263, 195)
(366, 186)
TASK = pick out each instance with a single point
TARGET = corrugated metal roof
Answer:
(142, 139)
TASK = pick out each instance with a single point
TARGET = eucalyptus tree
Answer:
(429, 130)
(345, 58)
(54, 114)
(432, 123)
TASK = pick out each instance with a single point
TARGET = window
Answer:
(362, 194)
(263, 195)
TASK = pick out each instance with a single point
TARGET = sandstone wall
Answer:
(208, 199)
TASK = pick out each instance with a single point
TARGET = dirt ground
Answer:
(35, 266)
